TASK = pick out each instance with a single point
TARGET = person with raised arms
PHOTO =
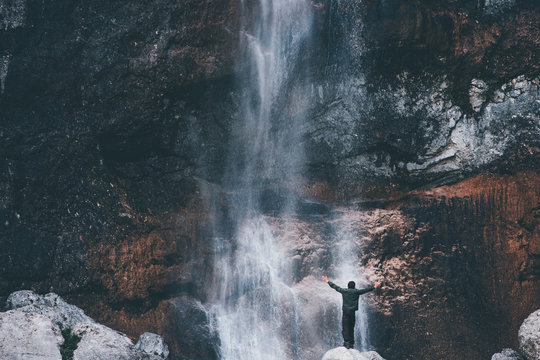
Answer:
(350, 306)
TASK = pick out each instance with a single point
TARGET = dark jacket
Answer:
(350, 296)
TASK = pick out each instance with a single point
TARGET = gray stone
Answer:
(99, 342)
(4, 65)
(529, 336)
(342, 353)
(507, 354)
(12, 14)
(372, 355)
(493, 7)
(33, 328)
(477, 94)
(27, 336)
(453, 140)
(152, 344)
(64, 315)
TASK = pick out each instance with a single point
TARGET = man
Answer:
(350, 305)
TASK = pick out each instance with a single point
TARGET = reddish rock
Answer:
(460, 265)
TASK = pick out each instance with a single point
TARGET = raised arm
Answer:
(369, 288)
(365, 290)
(332, 285)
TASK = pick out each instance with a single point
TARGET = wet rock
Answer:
(507, 354)
(529, 336)
(152, 344)
(342, 353)
(29, 336)
(200, 340)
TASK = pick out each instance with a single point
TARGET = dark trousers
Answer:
(347, 323)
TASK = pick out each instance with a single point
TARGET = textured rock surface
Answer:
(115, 119)
(52, 306)
(427, 137)
(99, 342)
(12, 14)
(454, 243)
(529, 336)
(439, 253)
(341, 353)
(32, 330)
(29, 336)
(507, 354)
(152, 344)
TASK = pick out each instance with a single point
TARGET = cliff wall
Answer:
(116, 116)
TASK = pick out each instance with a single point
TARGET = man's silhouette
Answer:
(350, 305)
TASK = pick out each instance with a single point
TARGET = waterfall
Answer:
(347, 247)
(255, 306)
(264, 309)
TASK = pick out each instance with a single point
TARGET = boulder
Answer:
(52, 306)
(99, 342)
(342, 353)
(27, 336)
(32, 329)
(529, 336)
(152, 344)
(507, 354)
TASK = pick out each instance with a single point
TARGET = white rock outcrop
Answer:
(32, 330)
(25, 336)
(342, 353)
(529, 336)
(52, 306)
(99, 342)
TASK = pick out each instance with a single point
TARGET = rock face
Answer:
(115, 121)
(529, 336)
(32, 330)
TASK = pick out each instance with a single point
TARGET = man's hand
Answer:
(377, 285)
(325, 278)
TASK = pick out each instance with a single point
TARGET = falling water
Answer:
(255, 307)
(347, 252)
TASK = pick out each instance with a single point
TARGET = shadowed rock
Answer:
(152, 344)
(507, 354)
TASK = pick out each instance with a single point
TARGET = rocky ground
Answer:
(46, 327)
(115, 120)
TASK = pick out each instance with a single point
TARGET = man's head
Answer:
(351, 285)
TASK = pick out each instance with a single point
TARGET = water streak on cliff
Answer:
(347, 252)
(255, 306)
